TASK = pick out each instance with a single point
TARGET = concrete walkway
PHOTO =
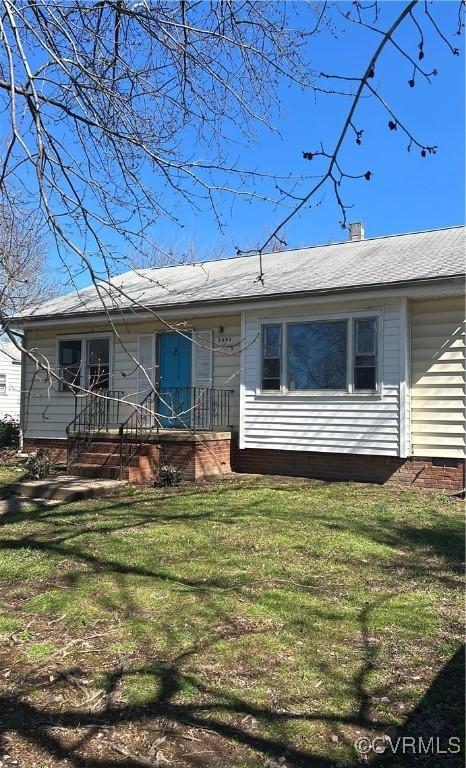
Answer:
(66, 488)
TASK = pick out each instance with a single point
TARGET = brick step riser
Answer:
(141, 464)
(113, 449)
(104, 473)
(133, 474)
(109, 460)
(107, 447)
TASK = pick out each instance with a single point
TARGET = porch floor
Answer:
(167, 435)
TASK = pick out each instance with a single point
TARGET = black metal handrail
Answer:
(136, 429)
(182, 408)
(101, 410)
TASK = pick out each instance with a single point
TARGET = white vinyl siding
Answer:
(10, 397)
(438, 377)
(49, 411)
(146, 369)
(333, 422)
(203, 358)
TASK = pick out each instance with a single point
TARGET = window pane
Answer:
(98, 351)
(69, 360)
(272, 334)
(365, 336)
(70, 352)
(364, 378)
(2, 384)
(271, 356)
(98, 377)
(271, 369)
(273, 384)
(317, 355)
(365, 351)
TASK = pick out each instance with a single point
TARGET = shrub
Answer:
(38, 464)
(9, 432)
(169, 475)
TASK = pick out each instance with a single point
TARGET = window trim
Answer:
(6, 384)
(83, 337)
(349, 316)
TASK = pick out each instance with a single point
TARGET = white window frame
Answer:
(84, 338)
(349, 316)
(5, 375)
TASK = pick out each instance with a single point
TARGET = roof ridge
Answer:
(299, 248)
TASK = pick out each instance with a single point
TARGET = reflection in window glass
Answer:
(365, 336)
(69, 362)
(98, 363)
(317, 355)
(271, 356)
(365, 354)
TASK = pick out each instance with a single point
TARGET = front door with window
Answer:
(174, 356)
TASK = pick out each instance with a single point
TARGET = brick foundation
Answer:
(418, 472)
(202, 458)
(55, 446)
(198, 460)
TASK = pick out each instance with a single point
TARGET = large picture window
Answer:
(334, 355)
(84, 362)
(317, 355)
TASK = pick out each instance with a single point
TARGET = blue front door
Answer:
(174, 352)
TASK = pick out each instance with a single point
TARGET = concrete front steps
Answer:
(65, 488)
(101, 460)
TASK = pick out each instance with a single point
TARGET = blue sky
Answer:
(406, 192)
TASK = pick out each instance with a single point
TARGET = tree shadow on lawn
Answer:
(439, 714)
(418, 544)
(35, 723)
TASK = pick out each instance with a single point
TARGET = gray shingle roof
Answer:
(379, 261)
(9, 351)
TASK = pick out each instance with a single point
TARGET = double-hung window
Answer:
(271, 357)
(365, 354)
(2, 383)
(84, 362)
(334, 355)
(97, 363)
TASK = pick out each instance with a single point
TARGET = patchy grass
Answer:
(37, 651)
(10, 473)
(229, 624)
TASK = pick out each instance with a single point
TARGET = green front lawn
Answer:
(253, 623)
